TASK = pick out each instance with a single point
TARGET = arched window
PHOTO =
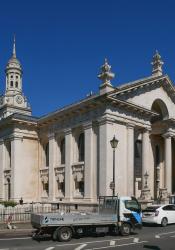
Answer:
(160, 108)
(81, 147)
(47, 154)
(62, 149)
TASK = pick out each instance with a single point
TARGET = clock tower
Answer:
(13, 101)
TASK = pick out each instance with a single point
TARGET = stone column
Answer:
(52, 155)
(130, 160)
(68, 164)
(168, 163)
(89, 162)
(2, 162)
(145, 154)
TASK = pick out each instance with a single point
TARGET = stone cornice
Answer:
(87, 125)
(105, 120)
(75, 109)
(19, 119)
(134, 107)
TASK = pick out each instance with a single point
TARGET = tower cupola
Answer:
(13, 100)
(13, 73)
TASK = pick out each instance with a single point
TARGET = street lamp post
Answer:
(114, 143)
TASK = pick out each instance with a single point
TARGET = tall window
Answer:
(8, 189)
(138, 149)
(8, 159)
(138, 159)
(62, 149)
(81, 147)
(47, 154)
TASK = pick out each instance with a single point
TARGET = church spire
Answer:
(157, 64)
(14, 47)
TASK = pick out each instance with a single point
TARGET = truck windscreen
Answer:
(132, 205)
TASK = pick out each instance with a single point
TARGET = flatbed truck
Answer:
(115, 215)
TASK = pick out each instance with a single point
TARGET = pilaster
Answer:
(130, 160)
(105, 157)
(52, 155)
(16, 176)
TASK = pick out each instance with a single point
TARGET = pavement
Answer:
(19, 228)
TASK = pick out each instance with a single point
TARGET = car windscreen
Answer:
(151, 209)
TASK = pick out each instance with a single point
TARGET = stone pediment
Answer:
(145, 91)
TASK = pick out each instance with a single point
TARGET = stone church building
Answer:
(66, 155)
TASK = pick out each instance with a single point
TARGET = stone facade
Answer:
(66, 156)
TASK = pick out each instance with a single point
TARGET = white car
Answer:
(159, 214)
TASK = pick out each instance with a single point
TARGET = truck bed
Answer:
(59, 219)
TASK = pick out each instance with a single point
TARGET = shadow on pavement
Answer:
(151, 247)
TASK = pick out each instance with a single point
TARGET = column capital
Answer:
(51, 136)
(87, 125)
(146, 130)
(168, 135)
(1, 141)
(105, 120)
(68, 131)
(15, 137)
(130, 126)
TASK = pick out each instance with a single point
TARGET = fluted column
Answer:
(168, 163)
(68, 164)
(52, 154)
(145, 154)
(130, 160)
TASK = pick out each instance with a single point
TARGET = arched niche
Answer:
(159, 107)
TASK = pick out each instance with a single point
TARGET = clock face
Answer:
(19, 99)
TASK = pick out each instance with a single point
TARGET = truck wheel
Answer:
(64, 234)
(125, 229)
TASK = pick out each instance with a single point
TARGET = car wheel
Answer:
(125, 229)
(164, 222)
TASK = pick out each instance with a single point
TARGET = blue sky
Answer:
(62, 44)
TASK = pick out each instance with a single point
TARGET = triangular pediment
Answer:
(145, 91)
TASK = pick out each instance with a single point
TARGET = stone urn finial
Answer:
(157, 64)
(106, 75)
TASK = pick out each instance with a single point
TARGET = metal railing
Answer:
(22, 213)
